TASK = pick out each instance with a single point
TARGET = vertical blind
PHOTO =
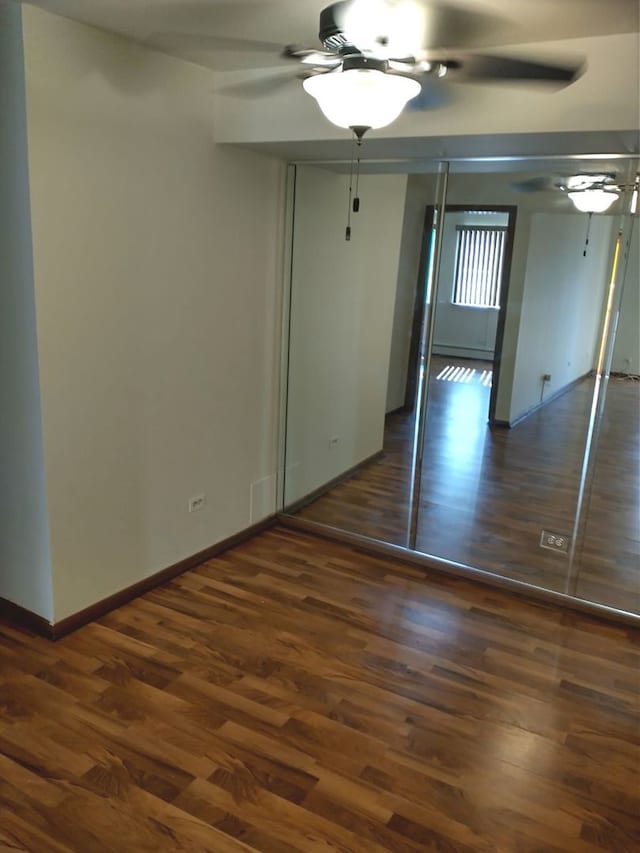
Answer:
(479, 260)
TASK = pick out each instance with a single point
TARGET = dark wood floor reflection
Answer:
(296, 695)
(487, 494)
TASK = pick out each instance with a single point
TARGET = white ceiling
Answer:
(197, 29)
(236, 37)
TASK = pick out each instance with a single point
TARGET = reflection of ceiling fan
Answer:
(376, 54)
(590, 193)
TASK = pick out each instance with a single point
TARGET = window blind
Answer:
(479, 263)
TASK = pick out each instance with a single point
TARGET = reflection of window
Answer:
(479, 259)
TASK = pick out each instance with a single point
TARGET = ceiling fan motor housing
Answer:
(358, 61)
(331, 34)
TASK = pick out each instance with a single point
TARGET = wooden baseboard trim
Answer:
(550, 399)
(468, 353)
(326, 487)
(26, 619)
(14, 614)
(101, 608)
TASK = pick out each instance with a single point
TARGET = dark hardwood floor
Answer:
(487, 494)
(296, 695)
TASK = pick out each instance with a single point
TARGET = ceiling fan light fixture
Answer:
(593, 200)
(361, 97)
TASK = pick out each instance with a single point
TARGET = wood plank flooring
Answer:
(487, 494)
(296, 695)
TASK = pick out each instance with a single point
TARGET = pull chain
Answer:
(586, 242)
(356, 201)
(347, 233)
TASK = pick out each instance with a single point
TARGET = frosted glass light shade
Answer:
(593, 201)
(361, 97)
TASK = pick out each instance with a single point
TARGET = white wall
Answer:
(418, 196)
(25, 575)
(562, 304)
(460, 330)
(341, 318)
(155, 257)
(626, 351)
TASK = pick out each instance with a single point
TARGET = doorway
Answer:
(473, 290)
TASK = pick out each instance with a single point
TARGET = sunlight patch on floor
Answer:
(465, 375)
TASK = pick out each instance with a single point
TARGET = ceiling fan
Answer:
(589, 192)
(375, 56)
(372, 65)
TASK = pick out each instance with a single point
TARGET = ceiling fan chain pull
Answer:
(586, 241)
(356, 200)
(347, 233)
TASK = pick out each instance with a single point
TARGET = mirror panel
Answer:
(511, 383)
(444, 401)
(347, 464)
(608, 557)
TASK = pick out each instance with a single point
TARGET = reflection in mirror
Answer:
(510, 349)
(345, 464)
(608, 564)
(502, 475)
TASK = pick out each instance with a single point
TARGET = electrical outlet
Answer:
(333, 441)
(546, 377)
(554, 541)
(197, 503)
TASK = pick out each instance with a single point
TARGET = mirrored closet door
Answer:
(351, 406)
(607, 554)
(461, 371)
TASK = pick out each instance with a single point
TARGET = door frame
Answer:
(420, 300)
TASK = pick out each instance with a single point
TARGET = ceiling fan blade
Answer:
(566, 183)
(589, 180)
(224, 53)
(311, 56)
(537, 184)
(475, 66)
(260, 87)
(435, 94)
(205, 41)
(460, 26)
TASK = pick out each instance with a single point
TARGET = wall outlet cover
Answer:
(197, 502)
(555, 541)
